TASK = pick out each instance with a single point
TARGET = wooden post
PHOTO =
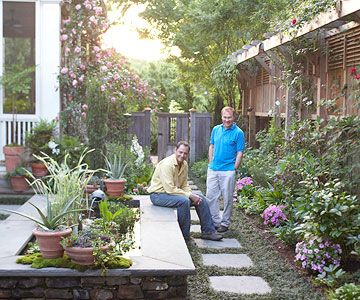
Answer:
(199, 134)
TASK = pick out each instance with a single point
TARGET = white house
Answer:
(30, 31)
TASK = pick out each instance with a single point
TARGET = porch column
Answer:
(48, 49)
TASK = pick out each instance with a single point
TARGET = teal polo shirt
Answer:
(227, 143)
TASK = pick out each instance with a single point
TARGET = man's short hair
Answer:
(229, 109)
(184, 143)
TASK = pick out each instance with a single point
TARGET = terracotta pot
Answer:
(115, 187)
(39, 169)
(49, 242)
(89, 189)
(82, 256)
(12, 157)
(19, 183)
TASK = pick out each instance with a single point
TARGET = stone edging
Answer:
(163, 248)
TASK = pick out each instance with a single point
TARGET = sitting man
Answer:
(169, 188)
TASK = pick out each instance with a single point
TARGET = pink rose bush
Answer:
(83, 25)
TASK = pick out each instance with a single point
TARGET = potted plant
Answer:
(63, 188)
(115, 184)
(82, 247)
(51, 227)
(18, 179)
(16, 83)
(93, 184)
(40, 142)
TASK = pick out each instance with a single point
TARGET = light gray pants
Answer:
(220, 183)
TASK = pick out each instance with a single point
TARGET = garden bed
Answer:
(159, 271)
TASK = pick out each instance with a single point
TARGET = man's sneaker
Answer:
(222, 229)
(211, 236)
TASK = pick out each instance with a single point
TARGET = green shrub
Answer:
(348, 291)
(199, 169)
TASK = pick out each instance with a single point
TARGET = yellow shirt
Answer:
(170, 178)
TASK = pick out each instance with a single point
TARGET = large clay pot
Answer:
(49, 242)
(39, 169)
(12, 157)
(115, 187)
(82, 256)
(19, 183)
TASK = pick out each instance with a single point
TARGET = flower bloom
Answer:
(353, 70)
(63, 37)
(293, 22)
(274, 215)
(78, 7)
(96, 49)
(64, 70)
(75, 83)
(316, 258)
(77, 49)
(357, 76)
(83, 114)
(102, 88)
(84, 107)
(103, 68)
(243, 182)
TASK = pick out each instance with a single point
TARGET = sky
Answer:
(125, 39)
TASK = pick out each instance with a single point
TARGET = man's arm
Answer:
(211, 153)
(239, 156)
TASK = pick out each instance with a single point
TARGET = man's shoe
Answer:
(222, 229)
(211, 236)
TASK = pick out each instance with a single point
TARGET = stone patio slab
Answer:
(240, 284)
(224, 243)
(195, 228)
(224, 260)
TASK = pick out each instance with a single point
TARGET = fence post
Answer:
(199, 134)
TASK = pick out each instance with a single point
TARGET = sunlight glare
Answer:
(125, 39)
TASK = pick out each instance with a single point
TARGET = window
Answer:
(19, 57)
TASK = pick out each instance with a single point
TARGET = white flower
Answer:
(277, 103)
(138, 151)
(52, 145)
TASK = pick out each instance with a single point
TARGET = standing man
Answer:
(169, 187)
(226, 149)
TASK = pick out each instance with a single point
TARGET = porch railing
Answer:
(14, 132)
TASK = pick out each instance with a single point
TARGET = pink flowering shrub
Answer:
(244, 187)
(241, 183)
(317, 255)
(274, 215)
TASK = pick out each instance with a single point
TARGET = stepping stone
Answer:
(240, 284)
(223, 260)
(195, 228)
(193, 187)
(224, 243)
(194, 216)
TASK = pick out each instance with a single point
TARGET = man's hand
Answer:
(196, 199)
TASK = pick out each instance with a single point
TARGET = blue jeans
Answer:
(182, 204)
